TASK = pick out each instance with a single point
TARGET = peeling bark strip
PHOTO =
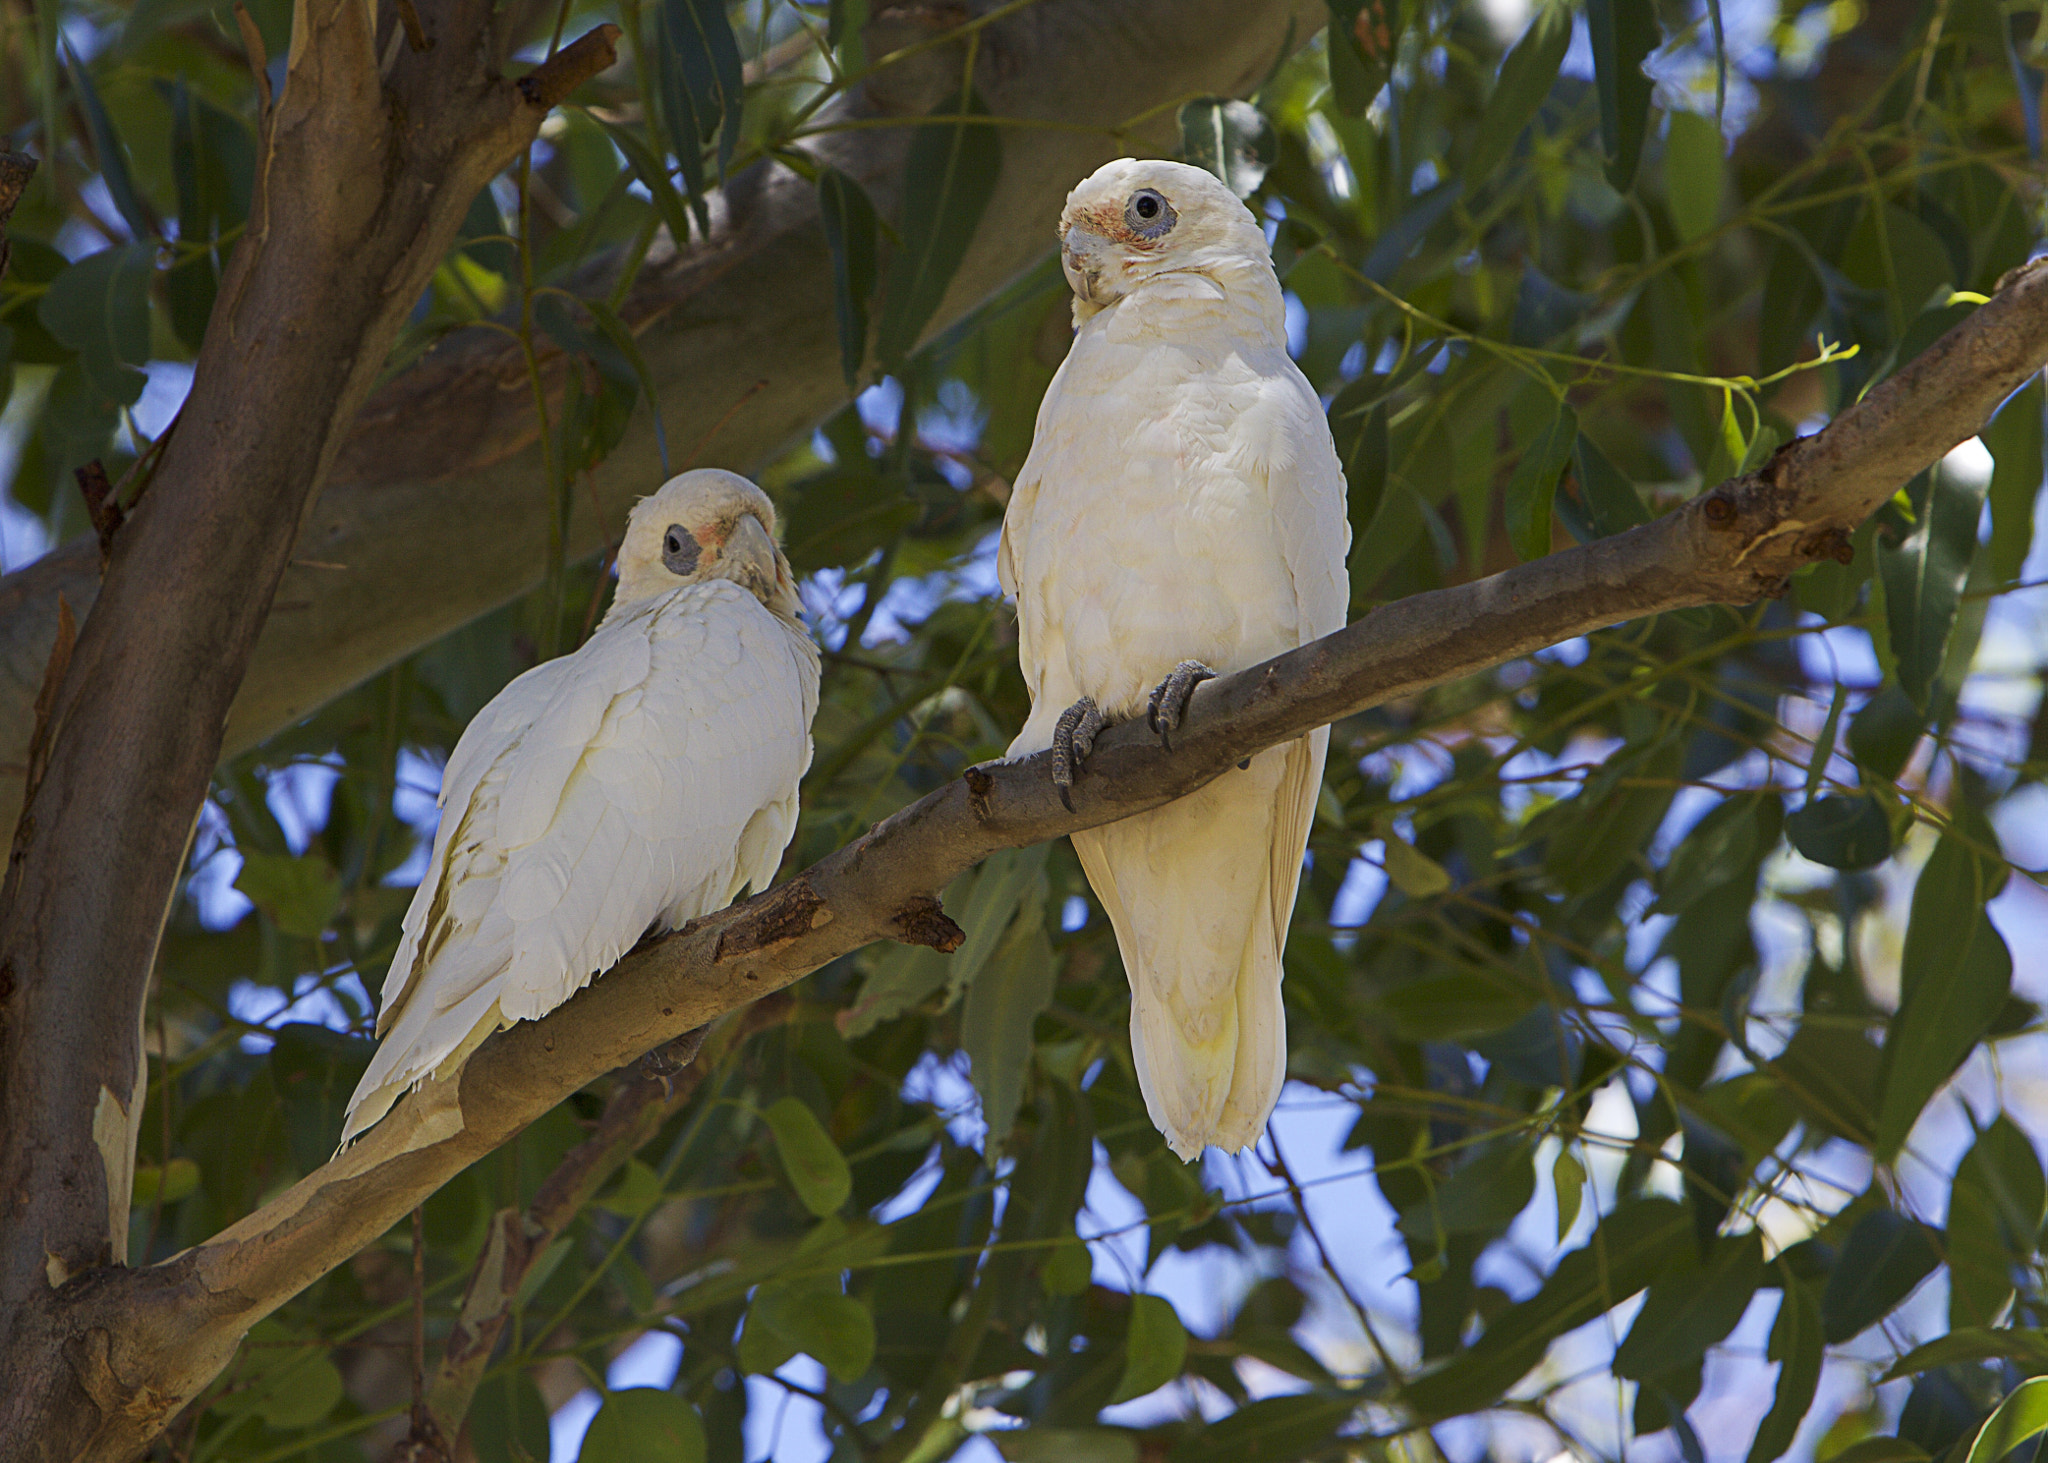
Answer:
(166, 1330)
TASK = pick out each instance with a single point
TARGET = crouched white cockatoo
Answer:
(1181, 513)
(643, 781)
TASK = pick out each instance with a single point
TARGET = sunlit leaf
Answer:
(2026, 1345)
(2021, 1417)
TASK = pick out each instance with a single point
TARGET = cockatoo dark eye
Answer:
(679, 550)
(1148, 214)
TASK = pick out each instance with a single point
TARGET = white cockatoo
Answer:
(641, 782)
(1181, 514)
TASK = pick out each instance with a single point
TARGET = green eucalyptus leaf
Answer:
(1954, 977)
(1884, 1259)
(949, 178)
(1694, 173)
(1996, 1204)
(1531, 491)
(1797, 1346)
(848, 219)
(2025, 1345)
(1155, 1348)
(817, 1169)
(645, 1425)
(1923, 580)
(1842, 832)
(1526, 75)
(2020, 1418)
(1691, 1307)
(810, 1316)
(2014, 441)
(99, 307)
(1624, 33)
(1623, 1256)
(299, 894)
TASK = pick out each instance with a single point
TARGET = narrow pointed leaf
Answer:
(1527, 73)
(848, 219)
(1624, 33)
(1923, 580)
(1798, 1348)
(1532, 490)
(109, 150)
(948, 180)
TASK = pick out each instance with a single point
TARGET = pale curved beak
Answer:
(750, 552)
(1085, 259)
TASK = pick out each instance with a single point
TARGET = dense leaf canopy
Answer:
(1695, 958)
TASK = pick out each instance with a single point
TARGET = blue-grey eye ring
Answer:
(1148, 214)
(679, 551)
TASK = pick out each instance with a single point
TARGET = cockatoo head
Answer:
(706, 524)
(1137, 222)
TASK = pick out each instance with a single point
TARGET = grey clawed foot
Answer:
(1073, 738)
(1170, 699)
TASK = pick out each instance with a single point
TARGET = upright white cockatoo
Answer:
(643, 781)
(1182, 509)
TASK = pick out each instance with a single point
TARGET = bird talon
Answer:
(1170, 699)
(1073, 738)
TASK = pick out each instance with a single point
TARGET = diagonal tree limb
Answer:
(1731, 545)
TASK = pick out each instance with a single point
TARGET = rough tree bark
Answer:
(160, 1333)
(362, 183)
(449, 443)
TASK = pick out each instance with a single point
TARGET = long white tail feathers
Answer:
(1216, 1092)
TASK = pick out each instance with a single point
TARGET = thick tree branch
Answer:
(450, 442)
(1731, 545)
